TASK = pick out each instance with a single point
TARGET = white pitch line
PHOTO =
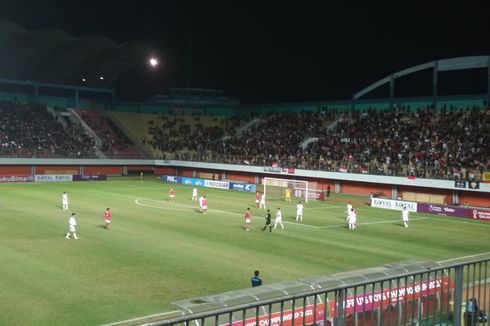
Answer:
(459, 220)
(140, 318)
(470, 256)
(211, 210)
(137, 202)
(369, 223)
(319, 208)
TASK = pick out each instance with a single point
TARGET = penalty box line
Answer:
(370, 223)
(137, 198)
(137, 202)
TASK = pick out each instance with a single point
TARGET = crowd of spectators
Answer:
(450, 143)
(446, 143)
(175, 134)
(114, 141)
(29, 130)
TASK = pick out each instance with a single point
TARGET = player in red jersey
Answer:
(257, 198)
(248, 217)
(171, 195)
(107, 218)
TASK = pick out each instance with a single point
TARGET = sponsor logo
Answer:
(433, 208)
(15, 178)
(171, 178)
(481, 215)
(277, 169)
(193, 182)
(216, 184)
(460, 184)
(53, 177)
(393, 204)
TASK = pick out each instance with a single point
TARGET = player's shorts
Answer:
(108, 221)
(247, 220)
(171, 196)
(204, 207)
(256, 201)
(71, 228)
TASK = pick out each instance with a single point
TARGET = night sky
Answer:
(277, 51)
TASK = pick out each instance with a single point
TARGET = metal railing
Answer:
(450, 293)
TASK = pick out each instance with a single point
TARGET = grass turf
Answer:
(158, 252)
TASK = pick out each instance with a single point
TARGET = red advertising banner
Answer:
(479, 214)
(301, 317)
(365, 302)
(15, 178)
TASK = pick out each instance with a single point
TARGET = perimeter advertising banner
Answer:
(300, 316)
(394, 204)
(16, 178)
(53, 178)
(171, 178)
(216, 184)
(442, 210)
(479, 214)
(193, 182)
(385, 298)
(247, 187)
(90, 177)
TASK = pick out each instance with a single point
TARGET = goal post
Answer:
(275, 188)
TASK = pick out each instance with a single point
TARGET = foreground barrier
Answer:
(405, 293)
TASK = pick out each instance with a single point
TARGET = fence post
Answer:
(458, 294)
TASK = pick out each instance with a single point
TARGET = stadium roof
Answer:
(52, 55)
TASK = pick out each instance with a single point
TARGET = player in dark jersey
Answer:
(268, 223)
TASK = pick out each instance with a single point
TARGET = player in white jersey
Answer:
(72, 223)
(201, 199)
(262, 202)
(64, 201)
(278, 219)
(299, 212)
(405, 216)
(352, 219)
(194, 194)
(348, 210)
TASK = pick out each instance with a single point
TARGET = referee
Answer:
(268, 219)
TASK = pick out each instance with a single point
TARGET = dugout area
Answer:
(399, 293)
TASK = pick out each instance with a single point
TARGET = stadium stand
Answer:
(29, 130)
(115, 144)
(449, 143)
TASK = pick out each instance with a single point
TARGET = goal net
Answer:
(276, 189)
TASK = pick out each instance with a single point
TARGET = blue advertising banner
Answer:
(193, 182)
(248, 187)
(171, 178)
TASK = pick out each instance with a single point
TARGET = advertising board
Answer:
(393, 204)
(53, 178)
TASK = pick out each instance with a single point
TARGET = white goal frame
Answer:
(286, 182)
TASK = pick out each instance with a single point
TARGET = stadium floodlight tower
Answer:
(275, 188)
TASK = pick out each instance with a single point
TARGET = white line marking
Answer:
(459, 220)
(369, 223)
(137, 201)
(470, 256)
(190, 208)
(319, 208)
(140, 318)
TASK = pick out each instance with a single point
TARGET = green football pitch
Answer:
(158, 252)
